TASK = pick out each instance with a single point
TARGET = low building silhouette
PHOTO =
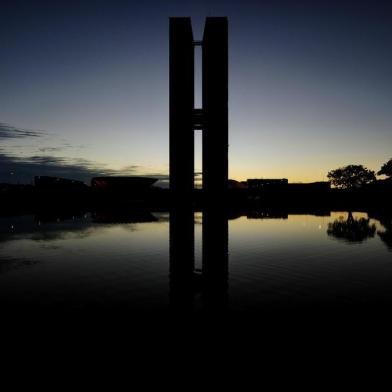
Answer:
(57, 183)
(234, 184)
(8, 188)
(122, 184)
(280, 191)
(261, 183)
(311, 186)
(282, 184)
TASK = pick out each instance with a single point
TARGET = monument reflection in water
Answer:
(185, 280)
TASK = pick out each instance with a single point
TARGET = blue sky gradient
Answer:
(309, 86)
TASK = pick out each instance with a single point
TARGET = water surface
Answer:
(274, 261)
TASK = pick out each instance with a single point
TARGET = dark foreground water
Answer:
(265, 262)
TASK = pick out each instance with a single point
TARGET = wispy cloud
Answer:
(50, 149)
(19, 165)
(9, 132)
(23, 169)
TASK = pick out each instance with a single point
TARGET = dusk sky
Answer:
(84, 86)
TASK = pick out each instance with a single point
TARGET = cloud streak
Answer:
(21, 168)
(9, 132)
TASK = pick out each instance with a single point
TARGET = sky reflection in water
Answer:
(76, 262)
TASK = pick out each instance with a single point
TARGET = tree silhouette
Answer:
(386, 169)
(385, 219)
(351, 176)
(386, 235)
(351, 230)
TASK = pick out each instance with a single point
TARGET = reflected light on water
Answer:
(274, 261)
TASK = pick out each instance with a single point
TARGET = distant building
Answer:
(122, 183)
(311, 186)
(267, 215)
(281, 188)
(269, 183)
(57, 183)
(6, 187)
(123, 216)
(233, 184)
(283, 184)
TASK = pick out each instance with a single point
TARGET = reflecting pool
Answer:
(157, 262)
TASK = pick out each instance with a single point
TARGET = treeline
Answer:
(357, 176)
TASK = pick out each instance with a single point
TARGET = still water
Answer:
(267, 261)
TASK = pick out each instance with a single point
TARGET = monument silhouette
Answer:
(212, 118)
